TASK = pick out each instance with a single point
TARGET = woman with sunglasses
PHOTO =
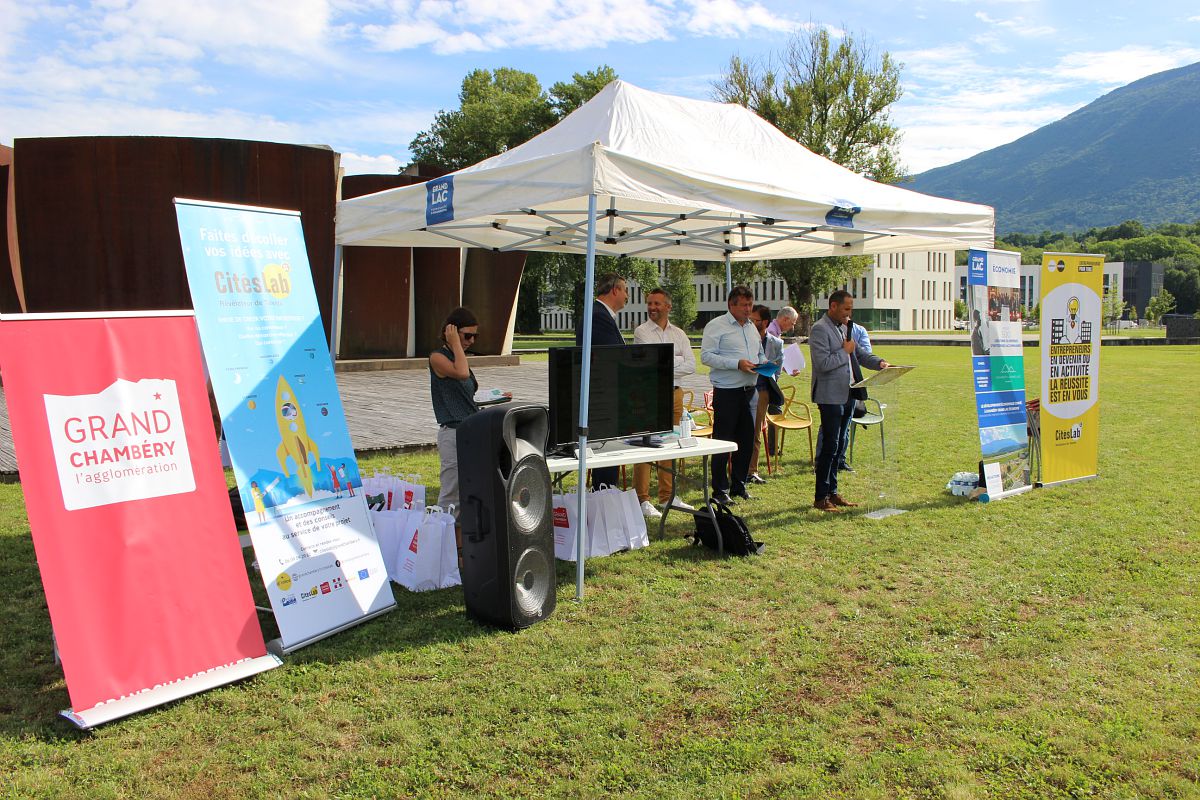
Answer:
(452, 387)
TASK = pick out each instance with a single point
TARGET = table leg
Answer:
(709, 509)
(662, 521)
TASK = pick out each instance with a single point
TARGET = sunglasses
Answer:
(469, 335)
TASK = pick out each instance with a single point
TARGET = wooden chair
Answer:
(701, 414)
(795, 416)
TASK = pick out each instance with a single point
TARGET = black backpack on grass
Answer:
(734, 533)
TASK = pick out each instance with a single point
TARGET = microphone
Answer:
(849, 326)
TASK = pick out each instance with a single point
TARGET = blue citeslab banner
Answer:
(998, 369)
(281, 414)
(439, 200)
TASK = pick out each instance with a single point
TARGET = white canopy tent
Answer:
(677, 178)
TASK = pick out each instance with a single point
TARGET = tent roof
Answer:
(674, 178)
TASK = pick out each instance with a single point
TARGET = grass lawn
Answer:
(1046, 645)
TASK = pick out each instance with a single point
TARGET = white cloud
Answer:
(346, 127)
(358, 164)
(16, 14)
(458, 26)
(731, 17)
(1017, 25)
(1119, 67)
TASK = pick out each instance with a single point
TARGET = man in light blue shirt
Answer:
(731, 348)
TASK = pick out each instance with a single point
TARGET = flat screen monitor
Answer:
(632, 392)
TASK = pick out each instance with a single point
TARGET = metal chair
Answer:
(795, 416)
(875, 417)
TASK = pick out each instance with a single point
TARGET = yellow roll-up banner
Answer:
(1070, 403)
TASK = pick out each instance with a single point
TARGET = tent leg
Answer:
(335, 306)
(585, 382)
(728, 275)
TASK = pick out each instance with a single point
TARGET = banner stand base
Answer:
(880, 513)
(210, 679)
(277, 646)
(1067, 480)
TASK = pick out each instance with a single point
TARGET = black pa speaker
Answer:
(507, 527)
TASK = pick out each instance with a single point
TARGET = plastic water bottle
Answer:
(685, 425)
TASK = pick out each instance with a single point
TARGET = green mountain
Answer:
(1132, 154)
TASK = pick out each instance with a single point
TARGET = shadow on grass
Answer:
(33, 690)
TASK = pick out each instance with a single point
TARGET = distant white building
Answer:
(900, 292)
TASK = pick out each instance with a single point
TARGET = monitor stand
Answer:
(645, 441)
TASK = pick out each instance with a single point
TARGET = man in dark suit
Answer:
(611, 296)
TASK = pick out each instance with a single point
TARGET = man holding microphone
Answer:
(835, 359)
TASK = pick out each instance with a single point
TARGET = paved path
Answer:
(387, 409)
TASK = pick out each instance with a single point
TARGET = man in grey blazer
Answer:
(834, 355)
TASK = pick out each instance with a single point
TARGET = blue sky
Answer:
(364, 76)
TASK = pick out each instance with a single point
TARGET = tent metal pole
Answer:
(728, 275)
(585, 383)
(334, 306)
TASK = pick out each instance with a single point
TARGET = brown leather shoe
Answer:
(824, 504)
(838, 500)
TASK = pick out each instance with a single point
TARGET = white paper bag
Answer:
(597, 524)
(387, 526)
(421, 562)
(565, 510)
(408, 521)
(375, 489)
(609, 534)
(412, 492)
(450, 575)
(636, 535)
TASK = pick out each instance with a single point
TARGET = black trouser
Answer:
(835, 427)
(609, 476)
(732, 422)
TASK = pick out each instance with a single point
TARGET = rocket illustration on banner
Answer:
(293, 435)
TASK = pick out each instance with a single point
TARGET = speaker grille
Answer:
(528, 495)
(532, 583)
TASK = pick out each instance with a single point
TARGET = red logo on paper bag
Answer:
(325, 588)
(408, 498)
(413, 544)
(560, 517)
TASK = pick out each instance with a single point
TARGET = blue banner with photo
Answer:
(997, 368)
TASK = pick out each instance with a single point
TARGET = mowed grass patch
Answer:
(1044, 645)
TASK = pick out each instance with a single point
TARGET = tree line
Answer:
(1174, 245)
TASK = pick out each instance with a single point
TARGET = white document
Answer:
(793, 359)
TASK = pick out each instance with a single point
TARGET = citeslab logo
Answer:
(439, 200)
(310, 594)
(1074, 433)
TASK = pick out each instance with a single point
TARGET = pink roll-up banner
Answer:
(128, 508)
